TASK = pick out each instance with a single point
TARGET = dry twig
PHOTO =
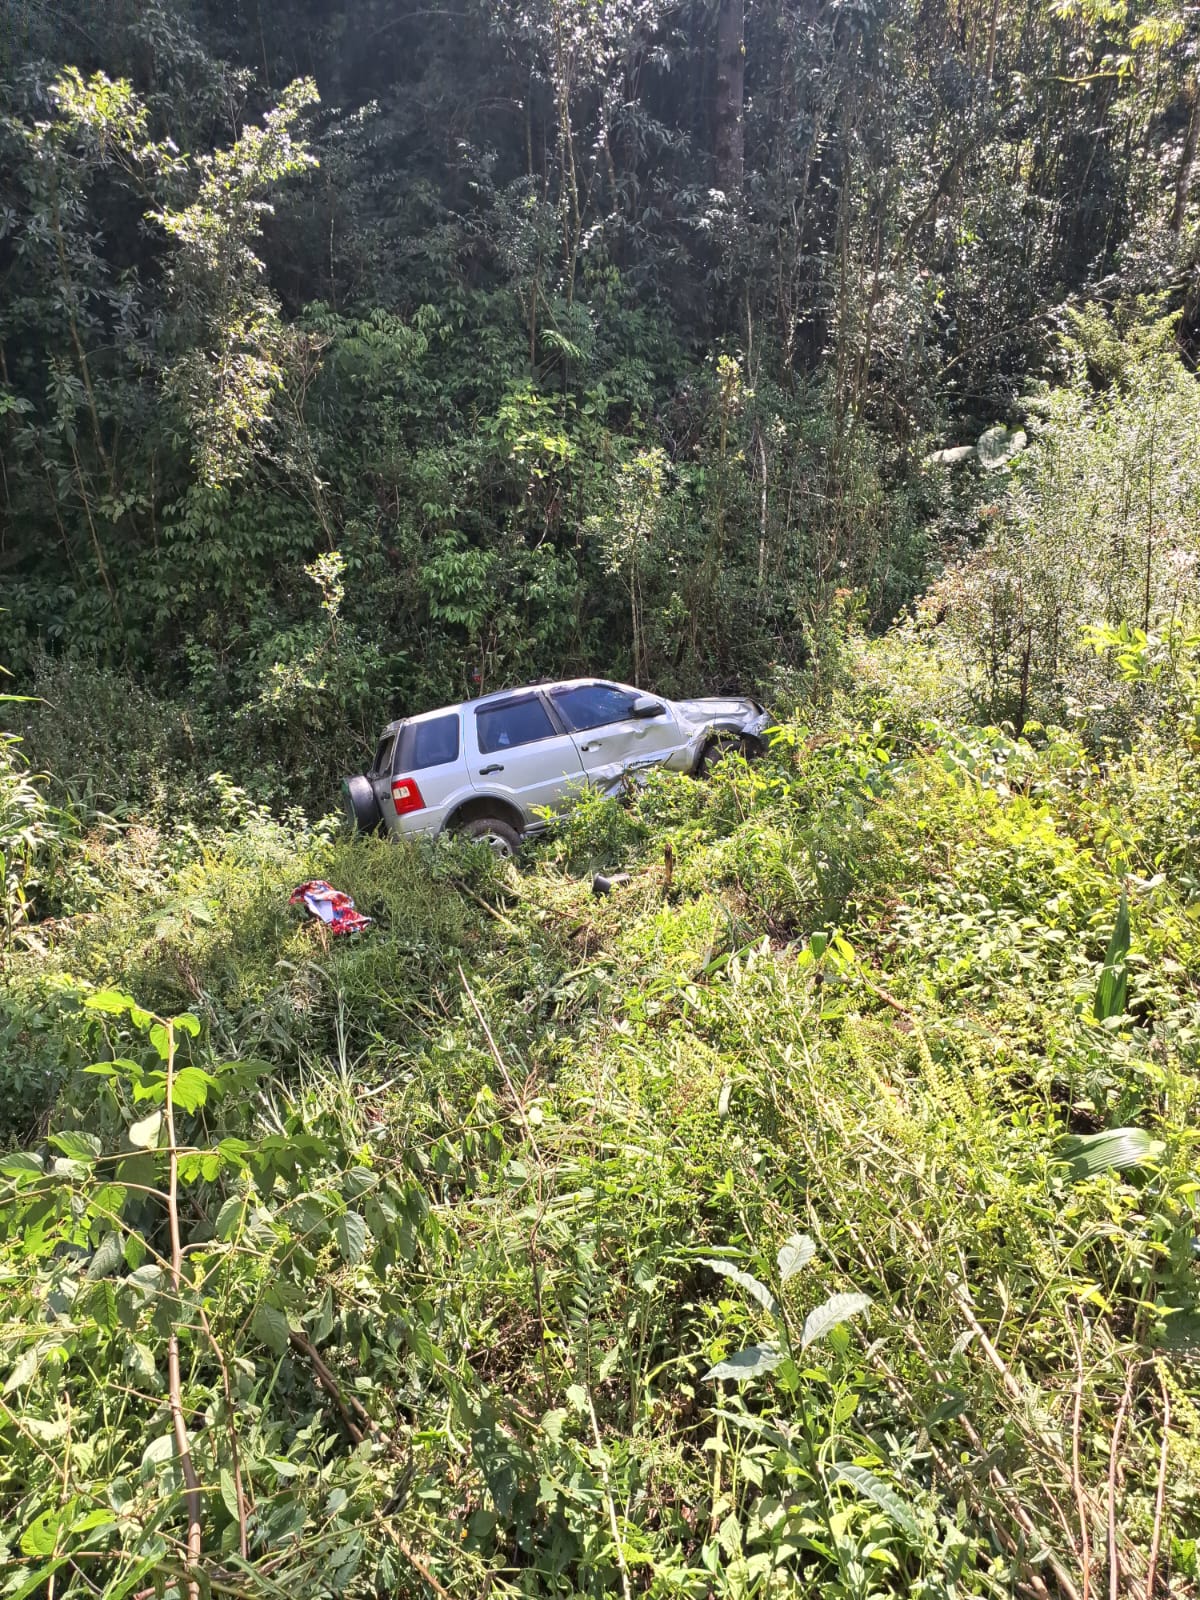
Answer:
(1160, 1493)
(1114, 1559)
(356, 1419)
(239, 1492)
(1076, 1480)
(191, 1483)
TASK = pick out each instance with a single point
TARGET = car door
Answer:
(518, 750)
(611, 741)
(379, 774)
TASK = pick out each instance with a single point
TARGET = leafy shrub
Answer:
(1097, 528)
(113, 746)
(30, 832)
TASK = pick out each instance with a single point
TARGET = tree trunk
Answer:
(1183, 181)
(731, 85)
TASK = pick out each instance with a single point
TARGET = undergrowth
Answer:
(814, 1214)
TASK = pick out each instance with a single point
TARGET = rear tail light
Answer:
(406, 796)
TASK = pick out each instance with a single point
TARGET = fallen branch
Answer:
(356, 1420)
(483, 905)
(423, 1571)
(1011, 1387)
(358, 1423)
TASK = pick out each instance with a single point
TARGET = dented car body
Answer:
(508, 758)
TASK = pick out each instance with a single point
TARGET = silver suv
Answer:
(489, 767)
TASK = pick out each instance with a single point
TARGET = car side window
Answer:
(511, 723)
(591, 705)
(432, 742)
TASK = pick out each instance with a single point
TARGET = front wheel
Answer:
(501, 836)
(726, 744)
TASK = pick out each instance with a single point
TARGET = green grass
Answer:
(849, 993)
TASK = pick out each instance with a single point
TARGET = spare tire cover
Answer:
(361, 804)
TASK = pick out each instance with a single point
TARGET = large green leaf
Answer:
(101, 1517)
(837, 1309)
(99, 1303)
(884, 1496)
(1112, 991)
(41, 1536)
(79, 1146)
(350, 1231)
(109, 1001)
(143, 1135)
(794, 1254)
(1111, 1151)
(147, 1281)
(109, 1257)
(1181, 1334)
(25, 1369)
(271, 1326)
(229, 1218)
(190, 1088)
(745, 1280)
(27, 1583)
(20, 1163)
(748, 1363)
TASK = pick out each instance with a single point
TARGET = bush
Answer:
(113, 746)
(1098, 525)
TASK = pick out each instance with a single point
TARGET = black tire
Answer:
(502, 836)
(721, 744)
(726, 744)
(362, 807)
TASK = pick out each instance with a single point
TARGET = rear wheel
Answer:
(502, 836)
(362, 807)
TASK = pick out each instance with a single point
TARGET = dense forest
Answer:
(354, 357)
(818, 1212)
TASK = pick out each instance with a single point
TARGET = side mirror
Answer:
(646, 706)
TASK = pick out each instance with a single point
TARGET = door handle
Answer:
(594, 745)
(495, 767)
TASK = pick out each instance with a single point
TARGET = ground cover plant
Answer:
(816, 1212)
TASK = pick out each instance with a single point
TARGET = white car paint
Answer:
(526, 775)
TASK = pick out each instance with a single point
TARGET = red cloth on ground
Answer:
(331, 906)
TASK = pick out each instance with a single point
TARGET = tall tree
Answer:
(730, 139)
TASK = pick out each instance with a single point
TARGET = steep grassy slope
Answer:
(473, 1206)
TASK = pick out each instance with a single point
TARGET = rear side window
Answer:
(591, 705)
(511, 723)
(432, 742)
